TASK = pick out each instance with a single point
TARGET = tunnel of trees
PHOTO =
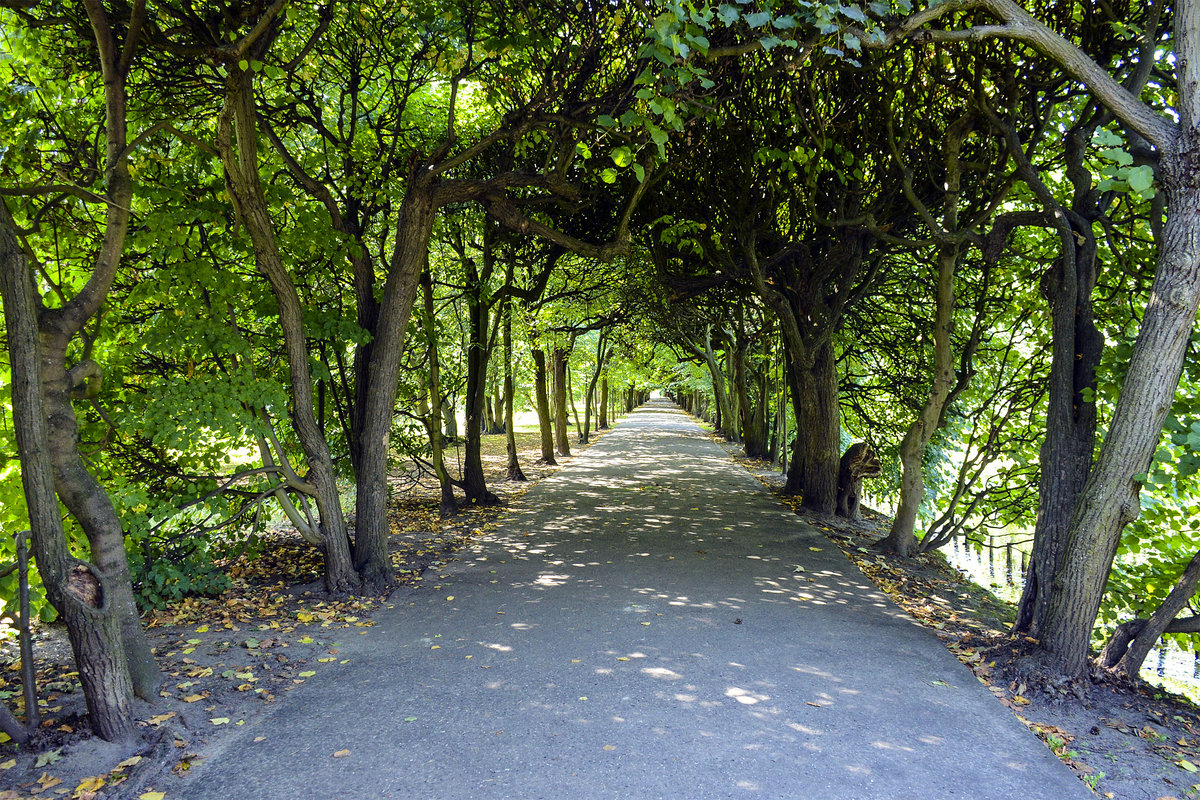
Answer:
(254, 253)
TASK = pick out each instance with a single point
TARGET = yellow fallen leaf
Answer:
(308, 673)
(192, 698)
(152, 796)
(202, 629)
(610, 747)
(219, 720)
(1019, 700)
(325, 660)
(450, 597)
(622, 658)
(341, 754)
(306, 640)
(12, 762)
(93, 784)
(130, 762)
(816, 549)
(159, 719)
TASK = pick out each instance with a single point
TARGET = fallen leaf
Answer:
(308, 673)
(1189, 766)
(152, 796)
(129, 762)
(610, 747)
(410, 719)
(450, 597)
(260, 738)
(48, 781)
(219, 720)
(192, 698)
(12, 762)
(1019, 700)
(159, 719)
(49, 757)
(326, 660)
(341, 754)
(622, 658)
(93, 784)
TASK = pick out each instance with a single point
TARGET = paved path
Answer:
(636, 628)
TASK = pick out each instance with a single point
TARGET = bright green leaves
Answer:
(1119, 173)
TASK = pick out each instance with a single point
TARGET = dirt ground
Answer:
(227, 658)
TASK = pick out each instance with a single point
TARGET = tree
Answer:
(1109, 499)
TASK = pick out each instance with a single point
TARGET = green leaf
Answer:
(622, 157)
(759, 19)
(243, 65)
(1141, 180)
(640, 171)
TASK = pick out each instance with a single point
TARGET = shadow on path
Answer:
(647, 623)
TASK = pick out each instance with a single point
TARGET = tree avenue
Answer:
(259, 259)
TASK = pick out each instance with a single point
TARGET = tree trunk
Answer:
(591, 389)
(80, 592)
(724, 423)
(510, 431)
(408, 260)
(559, 372)
(1131, 662)
(433, 425)
(478, 353)
(820, 419)
(1109, 500)
(245, 189)
(902, 540)
(602, 406)
(545, 422)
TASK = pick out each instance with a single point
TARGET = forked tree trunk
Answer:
(80, 592)
(245, 188)
(1109, 500)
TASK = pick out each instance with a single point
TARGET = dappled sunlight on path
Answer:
(649, 622)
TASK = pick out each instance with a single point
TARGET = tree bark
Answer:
(510, 431)
(901, 539)
(1131, 662)
(1109, 500)
(545, 422)
(79, 591)
(602, 406)
(478, 353)
(559, 375)
(245, 189)
(433, 424)
(820, 419)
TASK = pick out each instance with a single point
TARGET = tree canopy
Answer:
(258, 257)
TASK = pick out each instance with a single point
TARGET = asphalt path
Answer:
(649, 622)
